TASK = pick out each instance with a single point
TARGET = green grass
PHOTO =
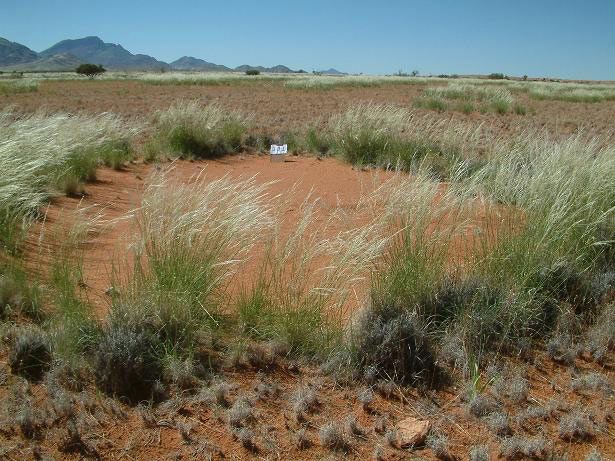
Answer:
(8, 87)
(387, 136)
(489, 98)
(190, 130)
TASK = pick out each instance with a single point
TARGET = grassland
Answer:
(479, 269)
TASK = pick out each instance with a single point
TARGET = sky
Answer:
(539, 38)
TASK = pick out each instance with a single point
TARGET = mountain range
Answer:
(68, 54)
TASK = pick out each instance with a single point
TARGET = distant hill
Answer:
(14, 53)
(111, 56)
(68, 54)
(332, 71)
(55, 63)
(274, 70)
(190, 63)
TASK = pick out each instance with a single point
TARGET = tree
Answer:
(415, 73)
(91, 70)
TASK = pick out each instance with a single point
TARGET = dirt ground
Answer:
(189, 426)
(277, 109)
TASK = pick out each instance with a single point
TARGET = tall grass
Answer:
(189, 129)
(209, 78)
(190, 239)
(324, 82)
(392, 137)
(18, 86)
(42, 155)
(301, 295)
(572, 92)
(488, 98)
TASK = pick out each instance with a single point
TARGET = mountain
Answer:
(274, 70)
(190, 63)
(68, 54)
(14, 53)
(332, 71)
(54, 63)
(111, 56)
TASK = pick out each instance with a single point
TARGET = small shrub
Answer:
(560, 349)
(482, 405)
(304, 400)
(352, 426)
(392, 438)
(246, 438)
(180, 373)
(127, 362)
(332, 436)
(576, 426)
(498, 423)
(395, 343)
(520, 447)
(240, 413)
(594, 455)
(479, 453)
(591, 382)
(30, 355)
(366, 397)
(439, 445)
(301, 439)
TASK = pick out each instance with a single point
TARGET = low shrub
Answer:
(30, 354)
(394, 342)
(127, 362)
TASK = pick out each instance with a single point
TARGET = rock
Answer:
(412, 432)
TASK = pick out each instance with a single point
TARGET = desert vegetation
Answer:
(477, 268)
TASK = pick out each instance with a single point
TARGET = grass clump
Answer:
(189, 240)
(297, 299)
(45, 154)
(392, 137)
(8, 87)
(191, 130)
(488, 98)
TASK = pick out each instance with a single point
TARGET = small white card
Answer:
(279, 149)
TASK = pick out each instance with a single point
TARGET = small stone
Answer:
(412, 432)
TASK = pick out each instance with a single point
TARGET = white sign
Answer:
(279, 150)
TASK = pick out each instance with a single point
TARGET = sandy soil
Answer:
(278, 110)
(112, 430)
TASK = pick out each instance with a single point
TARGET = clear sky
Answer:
(558, 38)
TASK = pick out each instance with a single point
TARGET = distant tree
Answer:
(414, 73)
(91, 70)
(524, 78)
(253, 72)
(496, 76)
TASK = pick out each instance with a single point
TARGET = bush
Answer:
(253, 72)
(394, 343)
(496, 76)
(127, 362)
(90, 70)
(30, 354)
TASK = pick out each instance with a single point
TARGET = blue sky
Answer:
(565, 38)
